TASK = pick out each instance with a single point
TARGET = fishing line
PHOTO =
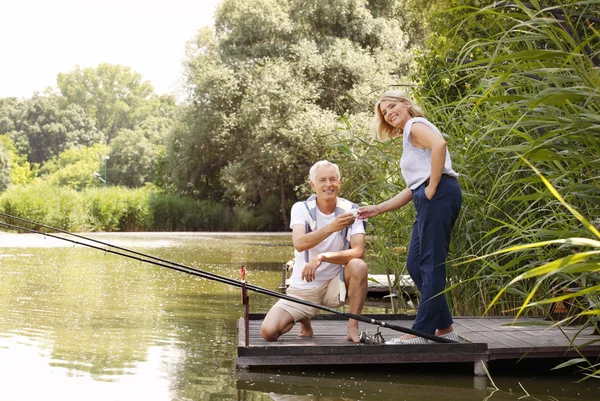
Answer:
(139, 256)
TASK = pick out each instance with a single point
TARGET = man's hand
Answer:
(310, 269)
(343, 220)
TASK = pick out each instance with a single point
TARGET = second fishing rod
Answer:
(204, 274)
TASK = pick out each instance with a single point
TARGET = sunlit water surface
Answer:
(81, 324)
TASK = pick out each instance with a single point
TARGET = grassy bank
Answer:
(122, 209)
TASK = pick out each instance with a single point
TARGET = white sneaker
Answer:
(451, 336)
(416, 340)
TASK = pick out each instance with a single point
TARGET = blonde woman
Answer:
(432, 185)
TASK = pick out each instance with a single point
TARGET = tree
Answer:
(133, 159)
(115, 96)
(41, 129)
(5, 168)
(266, 91)
(137, 154)
(75, 166)
(279, 131)
(22, 172)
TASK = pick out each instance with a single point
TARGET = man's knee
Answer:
(276, 323)
(268, 332)
(357, 269)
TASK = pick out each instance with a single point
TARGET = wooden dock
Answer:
(482, 340)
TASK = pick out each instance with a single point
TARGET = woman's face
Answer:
(394, 113)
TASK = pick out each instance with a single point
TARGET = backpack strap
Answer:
(310, 218)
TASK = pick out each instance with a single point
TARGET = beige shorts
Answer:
(327, 295)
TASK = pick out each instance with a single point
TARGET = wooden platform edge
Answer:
(354, 354)
(247, 362)
(241, 332)
(545, 352)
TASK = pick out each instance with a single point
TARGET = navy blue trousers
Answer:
(428, 249)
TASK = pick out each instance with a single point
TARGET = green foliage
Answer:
(530, 89)
(571, 279)
(5, 168)
(266, 91)
(41, 129)
(109, 99)
(178, 213)
(74, 167)
(117, 209)
(137, 156)
(534, 97)
(22, 172)
(122, 209)
(532, 93)
(59, 207)
(115, 96)
(132, 159)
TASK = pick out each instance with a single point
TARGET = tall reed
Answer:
(124, 209)
(534, 96)
(533, 93)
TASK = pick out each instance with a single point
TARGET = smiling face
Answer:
(326, 183)
(394, 113)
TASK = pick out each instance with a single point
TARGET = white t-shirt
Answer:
(326, 271)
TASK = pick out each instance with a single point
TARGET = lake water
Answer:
(82, 324)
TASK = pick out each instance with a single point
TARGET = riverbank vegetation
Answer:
(515, 86)
(277, 85)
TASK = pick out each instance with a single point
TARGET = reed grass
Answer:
(46, 204)
(532, 94)
(124, 209)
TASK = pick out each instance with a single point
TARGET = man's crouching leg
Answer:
(355, 275)
(276, 323)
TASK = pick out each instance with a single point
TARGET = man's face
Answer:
(326, 183)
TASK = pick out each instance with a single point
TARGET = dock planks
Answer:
(483, 339)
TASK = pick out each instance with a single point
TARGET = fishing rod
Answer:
(139, 256)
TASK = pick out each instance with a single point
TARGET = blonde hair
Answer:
(379, 127)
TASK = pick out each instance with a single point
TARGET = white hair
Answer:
(313, 170)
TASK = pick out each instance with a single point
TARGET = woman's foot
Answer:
(447, 333)
(441, 332)
(407, 339)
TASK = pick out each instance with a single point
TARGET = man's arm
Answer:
(356, 251)
(303, 241)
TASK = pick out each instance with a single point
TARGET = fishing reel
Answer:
(367, 338)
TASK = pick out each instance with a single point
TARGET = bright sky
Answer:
(40, 38)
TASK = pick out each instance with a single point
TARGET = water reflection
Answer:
(77, 323)
(407, 385)
(332, 385)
